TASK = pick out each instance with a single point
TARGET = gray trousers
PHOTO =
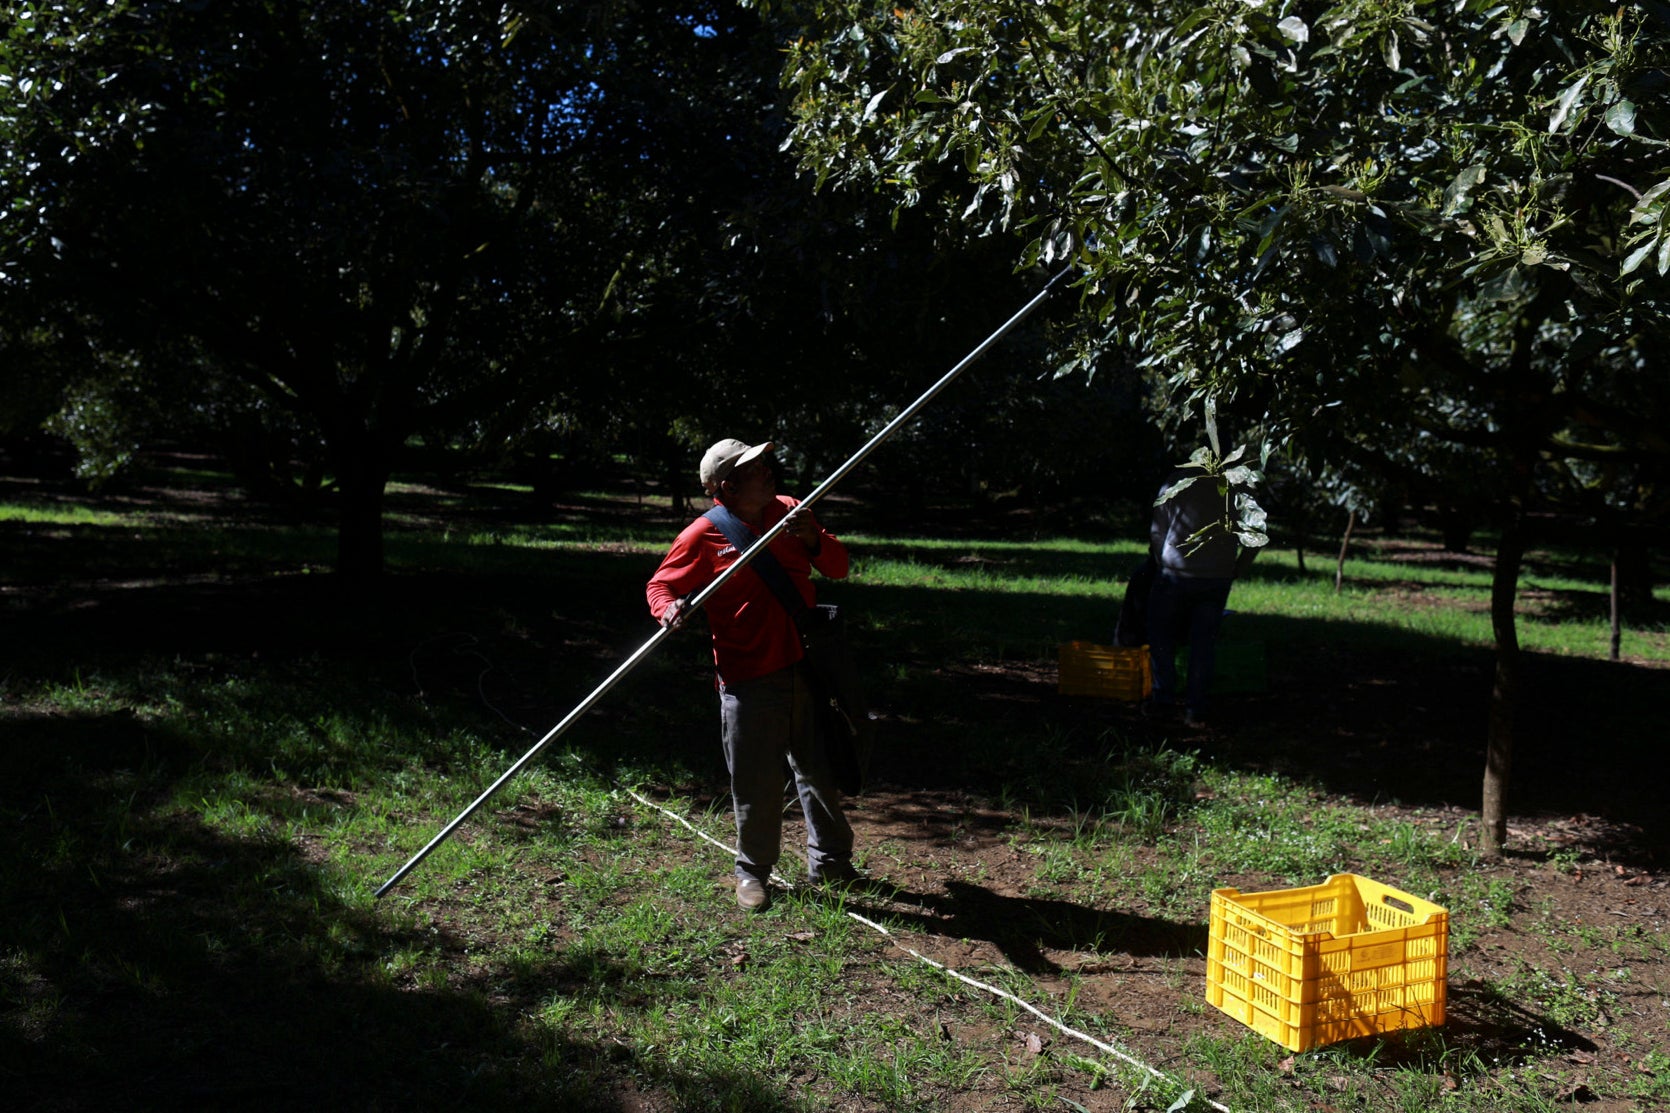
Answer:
(765, 720)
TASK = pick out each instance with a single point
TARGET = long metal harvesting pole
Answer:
(702, 596)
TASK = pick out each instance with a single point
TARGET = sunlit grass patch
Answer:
(59, 514)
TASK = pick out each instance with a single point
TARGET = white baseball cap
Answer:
(725, 457)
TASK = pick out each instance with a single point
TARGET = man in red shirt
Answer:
(765, 702)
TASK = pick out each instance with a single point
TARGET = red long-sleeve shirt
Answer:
(752, 633)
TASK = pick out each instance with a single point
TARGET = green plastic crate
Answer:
(1239, 669)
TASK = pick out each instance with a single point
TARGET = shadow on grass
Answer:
(1376, 713)
(963, 683)
(1493, 1024)
(150, 962)
(1024, 927)
(1482, 1030)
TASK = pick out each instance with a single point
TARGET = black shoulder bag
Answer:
(1131, 628)
(843, 716)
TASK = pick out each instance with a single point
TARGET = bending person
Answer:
(1197, 558)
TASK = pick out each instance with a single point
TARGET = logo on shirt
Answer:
(728, 550)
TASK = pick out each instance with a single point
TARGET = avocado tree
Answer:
(250, 207)
(325, 232)
(1396, 235)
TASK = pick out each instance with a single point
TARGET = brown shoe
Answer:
(751, 894)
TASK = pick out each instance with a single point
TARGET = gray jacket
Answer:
(1174, 522)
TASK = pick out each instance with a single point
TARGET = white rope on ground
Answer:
(1051, 1021)
(888, 935)
(961, 977)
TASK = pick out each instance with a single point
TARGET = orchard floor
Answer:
(1403, 736)
(1584, 863)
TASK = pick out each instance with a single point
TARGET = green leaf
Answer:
(1651, 207)
(1182, 1102)
(1563, 106)
(1456, 194)
(1621, 117)
(1325, 250)
(1294, 29)
(1192, 20)
(1508, 285)
(1389, 51)
(1177, 488)
(1638, 256)
(1200, 243)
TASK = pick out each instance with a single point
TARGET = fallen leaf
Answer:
(803, 936)
(1620, 871)
(1638, 879)
(1034, 1045)
(1286, 1065)
(1582, 1057)
(1578, 1091)
(1451, 1082)
(1339, 1082)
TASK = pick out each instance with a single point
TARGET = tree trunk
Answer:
(1301, 530)
(1526, 421)
(1456, 526)
(1635, 572)
(1498, 762)
(1344, 544)
(361, 476)
(672, 476)
(1617, 629)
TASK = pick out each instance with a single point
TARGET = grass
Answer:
(69, 515)
(197, 823)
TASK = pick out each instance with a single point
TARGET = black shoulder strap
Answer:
(764, 563)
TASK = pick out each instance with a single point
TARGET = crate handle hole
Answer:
(1400, 905)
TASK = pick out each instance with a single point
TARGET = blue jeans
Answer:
(765, 720)
(1178, 606)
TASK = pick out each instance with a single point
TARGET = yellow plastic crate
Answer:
(1110, 671)
(1313, 966)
